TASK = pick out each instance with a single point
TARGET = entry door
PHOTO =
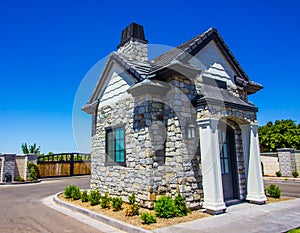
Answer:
(227, 159)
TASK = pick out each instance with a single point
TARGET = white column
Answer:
(246, 145)
(211, 167)
(255, 186)
(25, 167)
(2, 158)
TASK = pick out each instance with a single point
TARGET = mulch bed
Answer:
(136, 220)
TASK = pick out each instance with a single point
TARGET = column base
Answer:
(259, 200)
(215, 208)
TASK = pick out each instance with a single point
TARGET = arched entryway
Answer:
(228, 161)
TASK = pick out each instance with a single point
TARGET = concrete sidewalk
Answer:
(273, 217)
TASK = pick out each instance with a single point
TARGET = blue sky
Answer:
(47, 47)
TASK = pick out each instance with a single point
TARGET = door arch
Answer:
(228, 161)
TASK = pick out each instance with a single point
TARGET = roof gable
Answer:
(114, 80)
(189, 49)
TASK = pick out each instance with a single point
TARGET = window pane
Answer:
(110, 147)
(226, 166)
(115, 145)
(120, 156)
(222, 166)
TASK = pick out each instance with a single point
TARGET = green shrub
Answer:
(117, 203)
(132, 209)
(20, 179)
(295, 174)
(273, 191)
(94, 197)
(278, 173)
(131, 198)
(68, 190)
(105, 201)
(165, 207)
(76, 194)
(33, 171)
(84, 196)
(148, 218)
(180, 206)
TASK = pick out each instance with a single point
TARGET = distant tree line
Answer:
(280, 134)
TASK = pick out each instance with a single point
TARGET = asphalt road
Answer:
(22, 210)
(288, 188)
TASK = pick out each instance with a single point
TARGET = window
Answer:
(115, 145)
(190, 131)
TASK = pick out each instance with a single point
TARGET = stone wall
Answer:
(135, 49)
(297, 158)
(16, 165)
(287, 162)
(9, 165)
(160, 159)
(1, 167)
(20, 167)
(270, 163)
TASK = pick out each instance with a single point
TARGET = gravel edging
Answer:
(103, 218)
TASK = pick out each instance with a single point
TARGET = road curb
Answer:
(20, 182)
(102, 218)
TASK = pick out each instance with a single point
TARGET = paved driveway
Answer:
(22, 210)
(288, 188)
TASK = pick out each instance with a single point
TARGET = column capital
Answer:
(245, 127)
(203, 123)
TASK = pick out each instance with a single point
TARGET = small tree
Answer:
(31, 149)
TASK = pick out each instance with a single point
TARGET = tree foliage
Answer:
(281, 134)
(31, 149)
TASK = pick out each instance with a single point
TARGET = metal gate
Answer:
(64, 164)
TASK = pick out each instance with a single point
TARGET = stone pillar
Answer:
(287, 162)
(246, 145)
(211, 167)
(255, 186)
(9, 165)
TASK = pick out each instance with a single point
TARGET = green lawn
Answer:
(294, 231)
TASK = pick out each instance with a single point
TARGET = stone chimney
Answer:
(133, 43)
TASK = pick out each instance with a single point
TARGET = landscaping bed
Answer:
(167, 211)
(136, 220)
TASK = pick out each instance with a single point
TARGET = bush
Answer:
(273, 191)
(75, 193)
(94, 197)
(132, 209)
(131, 198)
(68, 190)
(148, 218)
(165, 207)
(33, 171)
(84, 196)
(295, 174)
(117, 203)
(105, 201)
(20, 179)
(278, 173)
(180, 206)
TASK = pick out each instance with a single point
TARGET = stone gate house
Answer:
(180, 122)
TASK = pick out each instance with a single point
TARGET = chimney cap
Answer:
(133, 31)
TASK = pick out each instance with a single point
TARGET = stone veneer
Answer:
(135, 49)
(160, 159)
(287, 161)
(16, 165)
